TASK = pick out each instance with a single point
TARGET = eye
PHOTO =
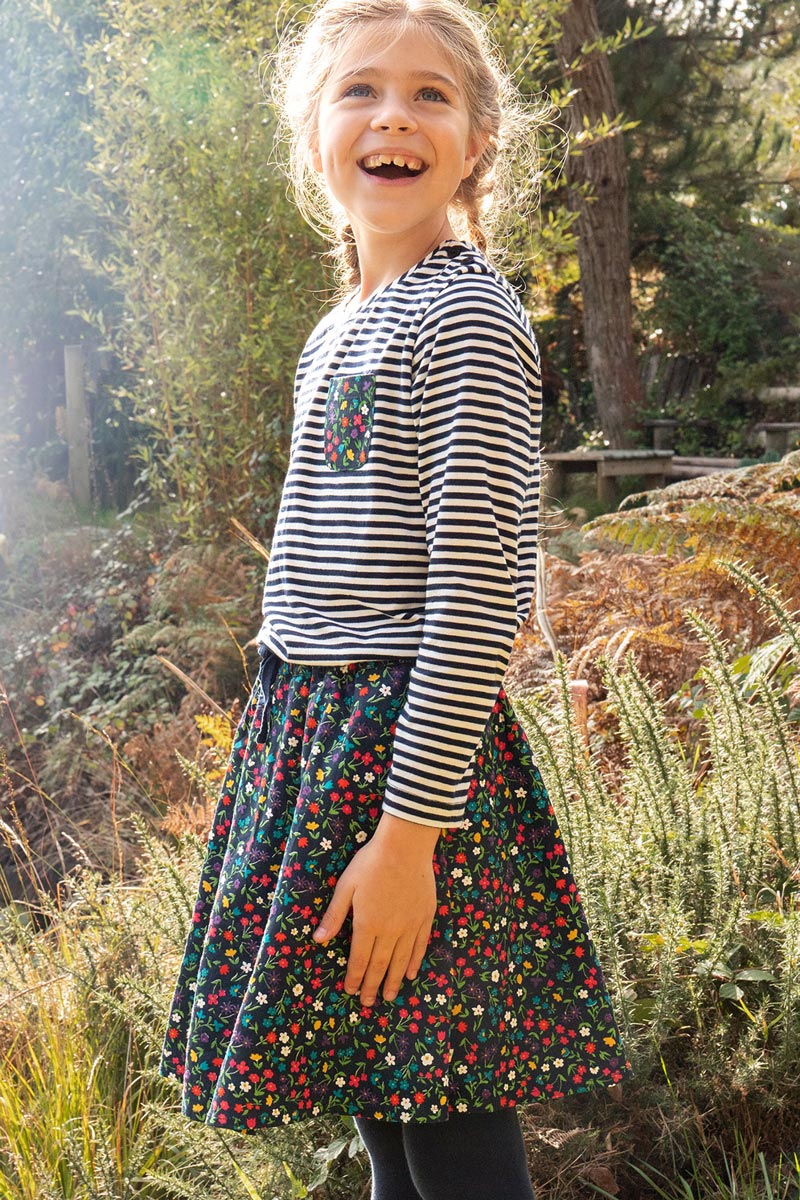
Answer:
(432, 93)
(359, 90)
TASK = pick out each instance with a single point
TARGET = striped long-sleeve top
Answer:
(407, 525)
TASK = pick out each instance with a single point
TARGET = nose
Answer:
(393, 116)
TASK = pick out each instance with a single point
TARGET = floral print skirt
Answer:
(509, 1004)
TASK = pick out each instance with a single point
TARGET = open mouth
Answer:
(392, 166)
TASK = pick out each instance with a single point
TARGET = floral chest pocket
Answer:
(349, 415)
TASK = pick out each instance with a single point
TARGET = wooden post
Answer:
(77, 427)
(579, 695)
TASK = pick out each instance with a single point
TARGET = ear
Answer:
(475, 147)
(314, 156)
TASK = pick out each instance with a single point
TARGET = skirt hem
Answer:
(269, 1118)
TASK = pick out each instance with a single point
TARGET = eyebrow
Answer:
(430, 76)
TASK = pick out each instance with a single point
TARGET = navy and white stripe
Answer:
(428, 549)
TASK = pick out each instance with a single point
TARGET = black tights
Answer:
(473, 1156)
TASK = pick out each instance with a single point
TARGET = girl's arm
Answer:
(477, 393)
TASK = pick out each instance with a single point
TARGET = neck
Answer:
(382, 258)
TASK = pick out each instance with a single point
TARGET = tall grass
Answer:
(83, 1112)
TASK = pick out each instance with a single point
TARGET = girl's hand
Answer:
(390, 887)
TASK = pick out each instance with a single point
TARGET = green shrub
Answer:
(688, 851)
(219, 277)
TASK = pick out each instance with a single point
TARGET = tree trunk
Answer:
(598, 191)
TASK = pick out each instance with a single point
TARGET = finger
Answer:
(375, 972)
(358, 961)
(333, 917)
(397, 968)
(418, 953)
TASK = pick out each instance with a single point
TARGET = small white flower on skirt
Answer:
(594, 1070)
(405, 1102)
(584, 1031)
(297, 990)
(512, 1074)
(541, 943)
(495, 976)
(467, 881)
(370, 776)
(583, 993)
(426, 1060)
(462, 933)
(244, 1086)
(261, 998)
(361, 836)
(513, 850)
(520, 792)
(286, 1118)
(390, 1058)
(545, 1066)
(340, 1081)
(385, 689)
(325, 843)
(354, 1018)
(441, 998)
(477, 1010)
(318, 1006)
(405, 1116)
(283, 1037)
(285, 1050)
(462, 1069)
(461, 1106)
(559, 1062)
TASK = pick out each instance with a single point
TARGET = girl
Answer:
(387, 925)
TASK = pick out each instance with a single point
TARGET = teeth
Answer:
(388, 160)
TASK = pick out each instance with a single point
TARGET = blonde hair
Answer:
(508, 166)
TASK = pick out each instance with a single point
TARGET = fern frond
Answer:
(751, 514)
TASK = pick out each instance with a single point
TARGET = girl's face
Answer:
(393, 135)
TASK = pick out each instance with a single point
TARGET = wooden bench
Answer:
(608, 465)
(778, 436)
(684, 467)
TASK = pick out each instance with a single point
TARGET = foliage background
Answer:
(142, 213)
